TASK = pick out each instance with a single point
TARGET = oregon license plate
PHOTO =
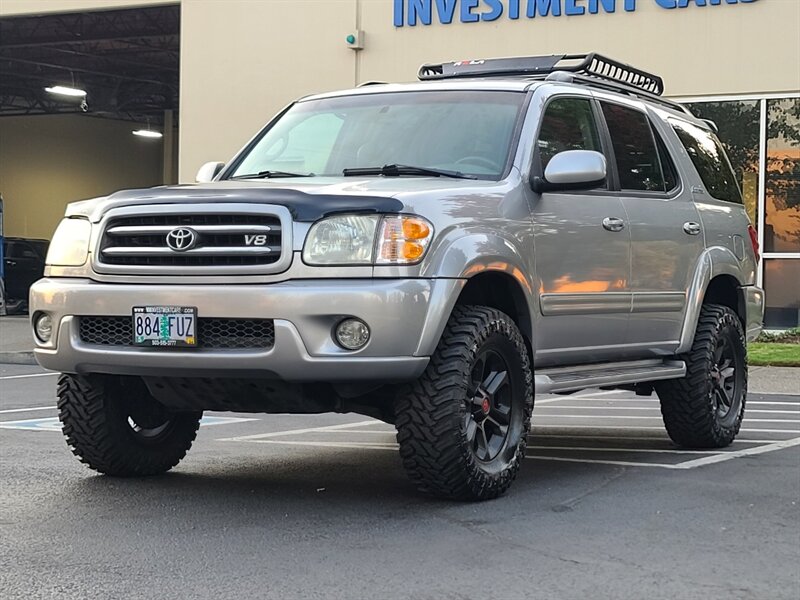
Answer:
(167, 326)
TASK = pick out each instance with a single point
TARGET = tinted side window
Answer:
(568, 124)
(667, 165)
(708, 157)
(634, 148)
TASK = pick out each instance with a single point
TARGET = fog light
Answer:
(352, 334)
(43, 325)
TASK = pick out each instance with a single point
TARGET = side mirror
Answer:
(572, 170)
(208, 171)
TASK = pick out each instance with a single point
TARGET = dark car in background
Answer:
(23, 261)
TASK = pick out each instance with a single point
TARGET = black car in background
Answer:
(24, 263)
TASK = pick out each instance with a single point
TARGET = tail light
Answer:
(754, 241)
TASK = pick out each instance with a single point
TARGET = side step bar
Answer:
(571, 379)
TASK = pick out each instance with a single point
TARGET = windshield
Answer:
(469, 132)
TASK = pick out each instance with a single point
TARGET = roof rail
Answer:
(592, 65)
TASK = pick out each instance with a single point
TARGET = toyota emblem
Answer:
(182, 239)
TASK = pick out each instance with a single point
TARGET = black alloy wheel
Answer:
(488, 414)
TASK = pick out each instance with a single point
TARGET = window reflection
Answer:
(782, 207)
(782, 285)
(738, 123)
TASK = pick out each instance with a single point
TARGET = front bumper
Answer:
(406, 318)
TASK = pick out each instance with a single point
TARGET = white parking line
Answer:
(709, 460)
(689, 464)
(636, 450)
(353, 445)
(16, 410)
(654, 417)
(649, 428)
(31, 375)
(258, 436)
(560, 406)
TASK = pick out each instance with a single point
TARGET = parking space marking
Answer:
(30, 375)
(657, 408)
(53, 424)
(658, 417)
(19, 410)
(605, 449)
(259, 436)
(650, 428)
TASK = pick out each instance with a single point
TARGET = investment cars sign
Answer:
(425, 12)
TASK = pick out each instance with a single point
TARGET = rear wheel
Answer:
(462, 425)
(116, 427)
(705, 408)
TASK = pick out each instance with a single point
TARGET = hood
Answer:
(306, 200)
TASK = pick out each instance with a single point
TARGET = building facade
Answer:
(734, 61)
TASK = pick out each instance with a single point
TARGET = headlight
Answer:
(341, 240)
(70, 244)
(351, 240)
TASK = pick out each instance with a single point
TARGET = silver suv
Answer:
(429, 254)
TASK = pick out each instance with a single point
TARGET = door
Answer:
(23, 266)
(581, 249)
(666, 236)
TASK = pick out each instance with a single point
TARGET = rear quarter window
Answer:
(709, 158)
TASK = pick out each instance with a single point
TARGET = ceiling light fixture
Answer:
(63, 90)
(148, 133)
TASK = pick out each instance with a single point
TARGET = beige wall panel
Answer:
(242, 61)
(47, 161)
(697, 50)
(10, 8)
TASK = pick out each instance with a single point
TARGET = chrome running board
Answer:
(571, 379)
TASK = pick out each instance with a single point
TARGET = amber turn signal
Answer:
(403, 239)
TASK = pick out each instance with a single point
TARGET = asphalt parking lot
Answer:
(279, 506)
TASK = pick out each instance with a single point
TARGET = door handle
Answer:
(691, 228)
(11, 263)
(613, 224)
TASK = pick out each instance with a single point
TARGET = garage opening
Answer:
(88, 106)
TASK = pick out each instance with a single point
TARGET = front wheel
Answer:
(705, 408)
(462, 426)
(116, 427)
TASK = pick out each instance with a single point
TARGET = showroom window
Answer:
(761, 135)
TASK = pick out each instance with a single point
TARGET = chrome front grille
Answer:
(211, 332)
(220, 240)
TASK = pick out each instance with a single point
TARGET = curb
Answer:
(17, 358)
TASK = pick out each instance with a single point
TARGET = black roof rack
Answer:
(592, 65)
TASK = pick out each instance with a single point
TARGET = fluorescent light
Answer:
(148, 133)
(62, 90)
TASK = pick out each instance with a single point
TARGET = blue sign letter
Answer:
(446, 10)
(398, 13)
(609, 6)
(495, 12)
(466, 11)
(421, 8)
(513, 9)
(571, 7)
(543, 7)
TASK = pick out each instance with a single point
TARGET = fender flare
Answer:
(713, 262)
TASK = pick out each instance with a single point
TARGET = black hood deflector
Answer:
(304, 207)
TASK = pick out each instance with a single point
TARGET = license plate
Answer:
(165, 326)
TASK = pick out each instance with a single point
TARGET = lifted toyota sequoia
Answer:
(428, 254)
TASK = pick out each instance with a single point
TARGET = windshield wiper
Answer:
(400, 170)
(271, 174)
